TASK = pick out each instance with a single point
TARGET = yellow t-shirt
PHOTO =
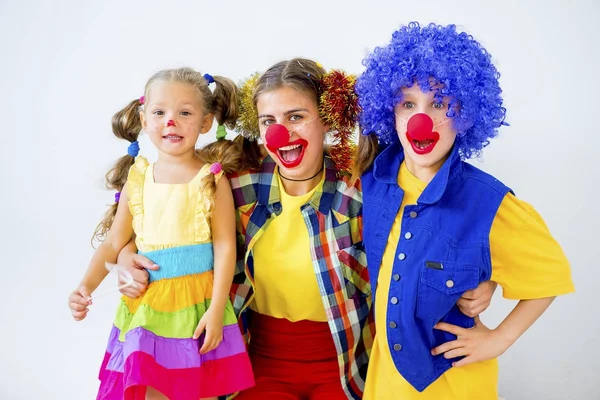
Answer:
(526, 261)
(284, 277)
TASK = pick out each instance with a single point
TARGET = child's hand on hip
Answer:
(477, 344)
(79, 301)
(212, 322)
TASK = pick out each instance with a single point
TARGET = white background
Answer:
(67, 66)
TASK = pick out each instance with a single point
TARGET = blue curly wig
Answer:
(441, 59)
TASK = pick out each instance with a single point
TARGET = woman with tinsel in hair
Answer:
(435, 226)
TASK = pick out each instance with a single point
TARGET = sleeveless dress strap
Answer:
(202, 216)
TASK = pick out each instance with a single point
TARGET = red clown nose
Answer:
(170, 123)
(420, 127)
(277, 136)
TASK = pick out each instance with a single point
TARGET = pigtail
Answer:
(126, 124)
(223, 155)
(224, 102)
(252, 152)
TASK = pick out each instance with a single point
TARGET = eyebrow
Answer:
(182, 105)
(295, 110)
(409, 96)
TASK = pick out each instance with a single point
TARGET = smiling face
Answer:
(424, 130)
(301, 155)
(174, 117)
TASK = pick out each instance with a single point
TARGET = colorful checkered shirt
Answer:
(333, 217)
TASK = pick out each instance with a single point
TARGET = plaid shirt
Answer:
(333, 217)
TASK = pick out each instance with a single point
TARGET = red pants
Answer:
(292, 361)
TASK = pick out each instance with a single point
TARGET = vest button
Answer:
(394, 300)
(450, 283)
(397, 347)
(392, 324)
(407, 235)
(396, 277)
(413, 214)
(401, 256)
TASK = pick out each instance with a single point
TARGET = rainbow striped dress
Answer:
(151, 341)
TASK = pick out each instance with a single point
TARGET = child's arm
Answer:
(117, 237)
(530, 266)
(224, 244)
(480, 343)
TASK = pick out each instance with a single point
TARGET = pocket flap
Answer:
(451, 278)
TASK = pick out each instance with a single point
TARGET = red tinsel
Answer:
(342, 154)
(339, 109)
(339, 103)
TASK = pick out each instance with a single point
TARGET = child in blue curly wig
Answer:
(435, 226)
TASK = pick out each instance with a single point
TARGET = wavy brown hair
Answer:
(127, 124)
(367, 150)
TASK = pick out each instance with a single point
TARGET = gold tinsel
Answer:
(247, 123)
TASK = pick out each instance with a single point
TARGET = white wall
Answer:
(67, 66)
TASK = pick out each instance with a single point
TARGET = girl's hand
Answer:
(79, 302)
(137, 265)
(474, 302)
(477, 344)
(212, 321)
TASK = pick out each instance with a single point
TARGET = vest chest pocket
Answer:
(440, 287)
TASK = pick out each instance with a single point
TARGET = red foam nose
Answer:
(170, 123)
(419, 125)
(277, 136)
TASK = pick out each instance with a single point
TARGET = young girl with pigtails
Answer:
(180, 339)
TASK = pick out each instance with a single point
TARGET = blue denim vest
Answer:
(443, 251)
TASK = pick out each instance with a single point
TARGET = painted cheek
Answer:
(401, 131)
(313, 134)
(191, 126)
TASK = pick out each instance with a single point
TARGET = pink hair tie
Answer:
(142, 100)
(215, 168)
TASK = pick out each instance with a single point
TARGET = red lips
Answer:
(420, 135)
(278, 136)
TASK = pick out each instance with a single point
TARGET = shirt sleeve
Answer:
(527, 262)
